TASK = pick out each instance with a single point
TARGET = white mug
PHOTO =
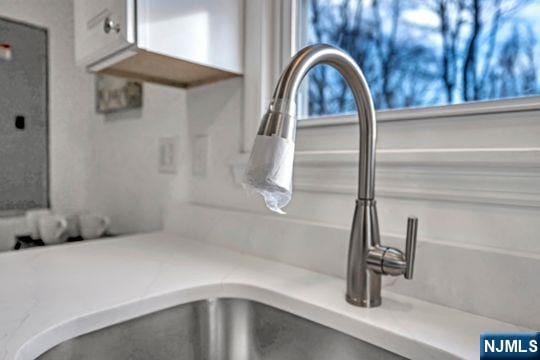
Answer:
(93, 226)
(53, 229)
(73, 226)
(32, 221)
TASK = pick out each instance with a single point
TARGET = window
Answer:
(423, 53)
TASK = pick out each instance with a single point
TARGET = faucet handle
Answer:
(410, 246)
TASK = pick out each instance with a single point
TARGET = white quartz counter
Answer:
(48, 295)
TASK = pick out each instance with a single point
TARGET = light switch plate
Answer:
(167, 155)
(200, 156)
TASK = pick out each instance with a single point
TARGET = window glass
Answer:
(419, 53)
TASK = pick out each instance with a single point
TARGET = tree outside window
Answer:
(418, 53)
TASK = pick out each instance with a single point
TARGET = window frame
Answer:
(290, 37)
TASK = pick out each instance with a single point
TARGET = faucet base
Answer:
(363, 303)
(363, 284)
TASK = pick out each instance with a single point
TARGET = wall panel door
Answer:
(24, 159)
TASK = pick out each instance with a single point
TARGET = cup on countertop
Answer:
(53, 229)
(93, 226)
(32, 221)
(73, 223)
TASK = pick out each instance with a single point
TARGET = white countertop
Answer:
(55, 293)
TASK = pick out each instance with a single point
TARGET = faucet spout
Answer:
(281, 118)
(368, 260)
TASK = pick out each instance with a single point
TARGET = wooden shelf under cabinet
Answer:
(166, 70)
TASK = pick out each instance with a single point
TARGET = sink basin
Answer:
(217, 329)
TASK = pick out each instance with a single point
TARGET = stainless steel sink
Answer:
(217, 329)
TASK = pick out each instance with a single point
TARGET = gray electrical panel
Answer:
(24, 160)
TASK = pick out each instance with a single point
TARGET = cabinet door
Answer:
(206, 32)
(103, 28)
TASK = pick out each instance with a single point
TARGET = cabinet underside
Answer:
(161, 69)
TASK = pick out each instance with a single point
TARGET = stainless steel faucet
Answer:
(368, 259)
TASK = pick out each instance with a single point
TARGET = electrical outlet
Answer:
(200, 156)
(167, 155)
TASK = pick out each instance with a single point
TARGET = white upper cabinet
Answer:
(175, 42)
(103, 28)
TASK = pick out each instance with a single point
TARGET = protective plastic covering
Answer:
(269, 171)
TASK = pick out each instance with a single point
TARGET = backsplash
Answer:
(482, 281)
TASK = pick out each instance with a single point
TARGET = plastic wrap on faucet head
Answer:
(269, 171)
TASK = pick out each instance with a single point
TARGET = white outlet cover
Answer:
(167, 155)
(200, 155)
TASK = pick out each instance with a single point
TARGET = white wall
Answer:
(99, 163)
(125, 183)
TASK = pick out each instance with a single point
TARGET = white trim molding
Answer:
(495, 176)
(531, 103)
(266, 24)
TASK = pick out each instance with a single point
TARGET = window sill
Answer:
(496, 176)
(472, 108)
